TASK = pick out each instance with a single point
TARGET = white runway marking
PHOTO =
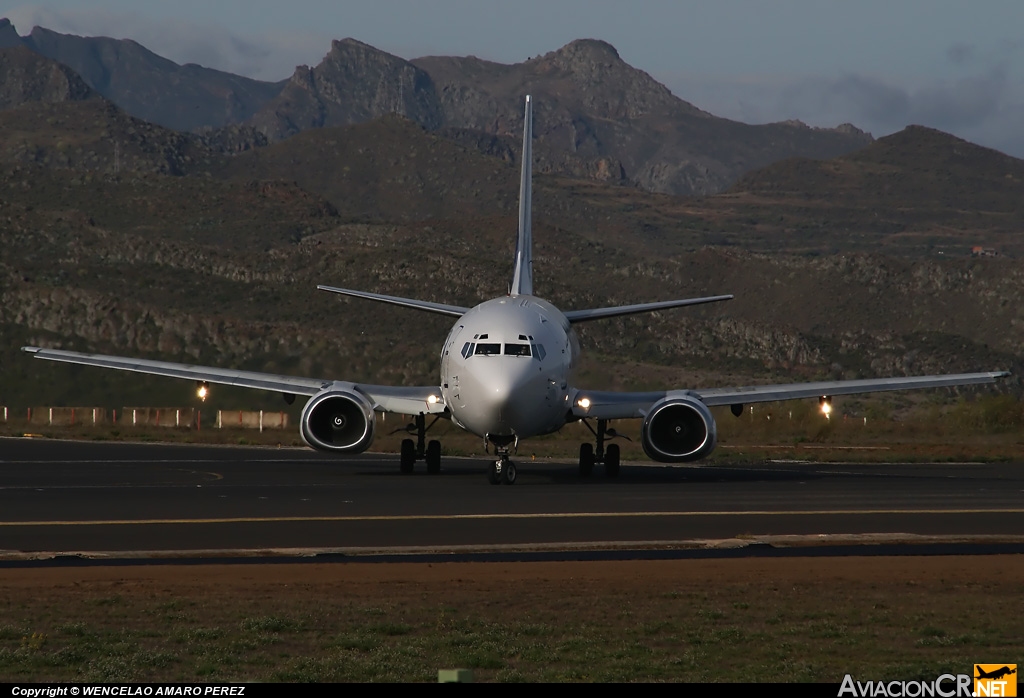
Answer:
(478, 517)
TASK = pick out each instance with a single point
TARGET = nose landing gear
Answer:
(589, 456)
(502, 470)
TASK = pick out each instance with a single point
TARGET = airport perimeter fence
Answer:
(166, 417)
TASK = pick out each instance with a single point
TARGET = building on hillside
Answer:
(979, 251)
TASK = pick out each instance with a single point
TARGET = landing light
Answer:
(825, 402)
(203, 391)
(584, 403)
(432, 399)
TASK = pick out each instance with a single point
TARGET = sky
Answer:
(957, 66)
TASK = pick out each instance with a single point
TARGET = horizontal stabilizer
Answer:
(599, 313)
(439, 308)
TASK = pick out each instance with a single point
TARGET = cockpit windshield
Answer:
(517, 349)
(511, 349)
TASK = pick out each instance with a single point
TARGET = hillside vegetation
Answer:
(121, 236)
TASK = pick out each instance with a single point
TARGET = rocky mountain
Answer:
(596, 116)
(918, 189)
(627, 126)
(8, 34)
(148, 86)
(353, 83)
(94, 136)
(25, 76)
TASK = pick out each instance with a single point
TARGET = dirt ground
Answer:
(383, 580)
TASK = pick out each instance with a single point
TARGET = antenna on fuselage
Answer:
(522, 277)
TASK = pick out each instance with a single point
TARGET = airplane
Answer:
(506, 373)
(994, 674)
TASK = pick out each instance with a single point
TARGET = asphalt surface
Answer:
(68, 497)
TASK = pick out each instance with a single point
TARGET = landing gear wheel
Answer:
(495, 472)
(433, 457)
(509, 476)
(611, 461)
(408, 456)
(586, 460)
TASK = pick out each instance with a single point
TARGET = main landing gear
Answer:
(420, 449)
(589, 456)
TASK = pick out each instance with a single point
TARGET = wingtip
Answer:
(31, 350)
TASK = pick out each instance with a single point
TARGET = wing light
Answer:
(584, 403)
(203, 390)
(432, 399)
(825, 402)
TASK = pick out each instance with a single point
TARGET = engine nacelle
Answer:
(337, 420)
(679, 430)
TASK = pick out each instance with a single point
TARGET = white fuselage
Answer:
(506, 367)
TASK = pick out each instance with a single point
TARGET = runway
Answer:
(68, 497)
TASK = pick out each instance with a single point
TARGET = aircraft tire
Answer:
(408, 456)
(433, 457)
(611, 461)
(586, 460)
(509, 473)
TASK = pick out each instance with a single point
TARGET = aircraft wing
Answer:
(404, 400)
(621, 405)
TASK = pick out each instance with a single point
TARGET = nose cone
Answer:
(500, 386)
(507, 395)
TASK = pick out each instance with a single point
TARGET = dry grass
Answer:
(735, 620)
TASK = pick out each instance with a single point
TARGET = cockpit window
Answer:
(517, 349)
(488, 349)
(538, 351)
(467, 350)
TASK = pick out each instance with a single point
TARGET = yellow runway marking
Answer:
(478, 517)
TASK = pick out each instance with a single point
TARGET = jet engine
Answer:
(678, 430)
(337, 420)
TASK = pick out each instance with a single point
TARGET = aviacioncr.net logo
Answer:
(945, 686)
(995, 680)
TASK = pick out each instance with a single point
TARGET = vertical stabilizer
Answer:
(522, 277)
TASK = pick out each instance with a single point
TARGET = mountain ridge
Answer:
(598, 116)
